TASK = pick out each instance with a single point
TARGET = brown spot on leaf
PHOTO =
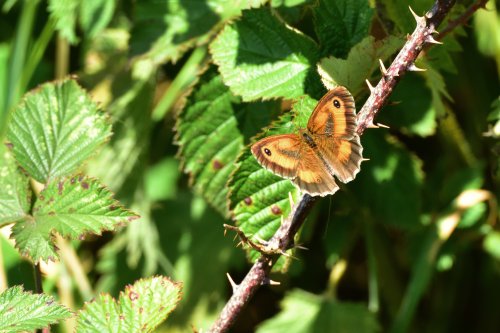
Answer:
(71, 210)
(133, 296)
(141, 309)
(217, 165)
(52, 213)
(276, 210)
(81, 237)
(85, 185)
(9, 145)
(113, 207)
(248, 201)
(80, 178)
(72, 180)
(60, 187)
(41, 197)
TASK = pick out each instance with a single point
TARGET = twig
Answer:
(462, 19)
(283, 238)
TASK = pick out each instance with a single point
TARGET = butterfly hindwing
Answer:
(312, 176)
(343, 156)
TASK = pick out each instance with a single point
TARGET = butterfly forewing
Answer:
(335, 115)
(279, 154)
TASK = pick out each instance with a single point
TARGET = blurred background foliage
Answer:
(412, 244)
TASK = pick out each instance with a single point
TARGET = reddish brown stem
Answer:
(283, 238)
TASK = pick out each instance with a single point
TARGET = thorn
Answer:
(268, 281)
(371, 125)
(413, 68)
(382, 67)
(382, 125)
(290, 198)
(392, 103)
(369, 85)
(231, 281)
(420, 19)
(300, 247)
(431, 40)
(432, 30)
(365, 159)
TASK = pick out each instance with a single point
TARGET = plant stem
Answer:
(38, 279)
(184, 78)
(17, 59)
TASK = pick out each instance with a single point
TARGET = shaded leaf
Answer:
(15, 196)
(140, 308)
(24, 311)
(305, 312)
(164, 30)
(211, 133)
(396, 173)
(414, 112)
(55, 129)
(341, 24)
(64, 13)
(252, 64)
(71, 207)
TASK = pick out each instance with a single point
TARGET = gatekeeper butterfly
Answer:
(328, 147)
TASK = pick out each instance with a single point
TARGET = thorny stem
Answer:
(283, 238)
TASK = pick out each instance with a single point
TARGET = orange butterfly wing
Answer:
(329, 147)
(290, 157)
(334, 115)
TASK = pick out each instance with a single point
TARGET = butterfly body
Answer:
(329, 147)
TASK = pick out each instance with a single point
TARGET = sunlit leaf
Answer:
(23, 311)
(140, 308)
(252, 64)
(71, 207)
(15, 196)
(55, 129)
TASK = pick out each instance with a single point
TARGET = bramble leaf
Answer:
(15, 196)
(341, 24)
(211, 131)
(163, 31)
(55, 129)
(319, 314)
(252, 64)
(24, 311)
(71, 207)
(140, 308)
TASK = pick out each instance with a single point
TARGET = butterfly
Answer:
(327, 147)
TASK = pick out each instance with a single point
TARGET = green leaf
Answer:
(23, 311)
(399, 13)
(261, 57)
(305, 312)
(391, 181)
(491, 244)
(55, 129)
(95, 15)
(15, 196)
(140, 308)
(341, 24)
(487, 30)
(64, 12)
(164, 30)
(71, 207)
(362, 61)
(211, 133)
(414, 114)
